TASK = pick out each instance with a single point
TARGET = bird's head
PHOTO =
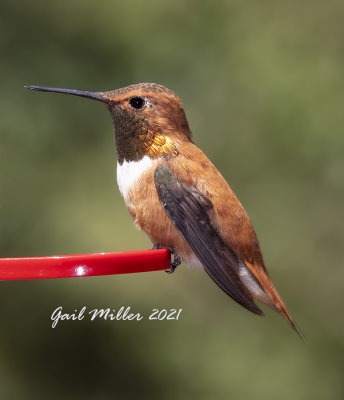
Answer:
(149, 119)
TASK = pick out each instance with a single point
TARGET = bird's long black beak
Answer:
(83, 93)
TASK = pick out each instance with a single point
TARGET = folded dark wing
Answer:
(189, 210)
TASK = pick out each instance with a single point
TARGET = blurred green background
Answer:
(262, 86)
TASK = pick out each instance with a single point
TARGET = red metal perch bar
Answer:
(84, 264)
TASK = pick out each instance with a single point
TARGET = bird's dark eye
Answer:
(137, 102)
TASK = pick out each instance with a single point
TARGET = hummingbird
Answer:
(177, 196)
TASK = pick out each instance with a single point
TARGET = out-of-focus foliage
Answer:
(262, 85)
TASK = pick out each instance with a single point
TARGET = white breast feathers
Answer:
(129, 172)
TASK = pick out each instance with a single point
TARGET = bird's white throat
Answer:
(130, 172)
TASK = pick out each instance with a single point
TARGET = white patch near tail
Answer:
(129, 172)
(253, 286)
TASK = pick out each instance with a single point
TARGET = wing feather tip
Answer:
(256, 310)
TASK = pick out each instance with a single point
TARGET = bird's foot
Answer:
(158, 246)
(176, 259)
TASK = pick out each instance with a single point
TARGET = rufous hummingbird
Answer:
(177, 196)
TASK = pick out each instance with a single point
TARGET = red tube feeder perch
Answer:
(82, 265)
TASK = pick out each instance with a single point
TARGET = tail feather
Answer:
(270, 296)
